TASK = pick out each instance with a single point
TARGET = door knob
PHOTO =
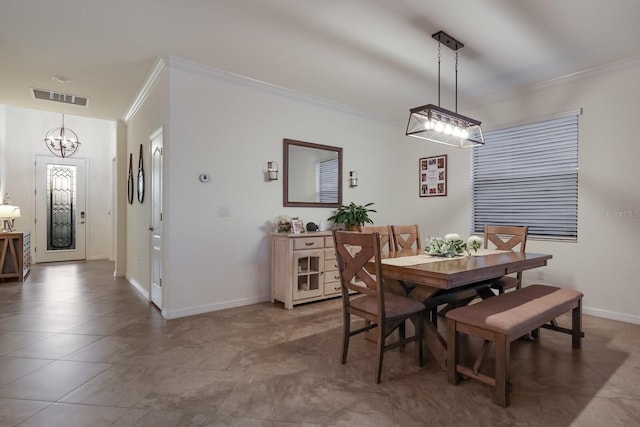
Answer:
(150, 228)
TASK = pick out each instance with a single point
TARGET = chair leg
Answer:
(346, 332)
(380, 342)
(402, 331)
(419, 328)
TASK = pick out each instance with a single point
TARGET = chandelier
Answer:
(62, 142)
(436, 124)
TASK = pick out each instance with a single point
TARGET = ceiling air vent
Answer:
(65, 98)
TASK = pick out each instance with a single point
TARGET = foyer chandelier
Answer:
(436, 124)
(62, 142)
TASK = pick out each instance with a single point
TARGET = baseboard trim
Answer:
(174, 314)
(612, 315)
(141, 290)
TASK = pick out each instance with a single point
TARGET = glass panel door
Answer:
(60, 209)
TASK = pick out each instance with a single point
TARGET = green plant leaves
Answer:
(353, 215)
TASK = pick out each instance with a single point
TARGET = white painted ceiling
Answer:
(376, 55)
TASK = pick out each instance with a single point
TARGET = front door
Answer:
(156, 218)
(60, 209)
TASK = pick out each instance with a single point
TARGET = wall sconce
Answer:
(272, 171)
(353, 179)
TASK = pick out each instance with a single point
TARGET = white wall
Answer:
(24, 132)
(604, 263)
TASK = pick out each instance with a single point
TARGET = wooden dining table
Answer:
(434, 276)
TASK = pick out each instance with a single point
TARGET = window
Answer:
(327, 181)
(528, 175)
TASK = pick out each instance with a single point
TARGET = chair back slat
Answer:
(354, 251)
(406, 236)
(506, 237)
(386, 241)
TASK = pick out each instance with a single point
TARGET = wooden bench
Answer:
(503, 319)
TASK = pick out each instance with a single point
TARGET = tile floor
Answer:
(80, 348)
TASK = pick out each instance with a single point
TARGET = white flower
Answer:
(474, 242)
(452, 236)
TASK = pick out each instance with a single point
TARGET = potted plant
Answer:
(352, 216)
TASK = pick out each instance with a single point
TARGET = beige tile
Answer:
(68, 415)
(13, 411)
(12, 368)
(166, 388)
(52, 381)
(55, 347)
(14, 340)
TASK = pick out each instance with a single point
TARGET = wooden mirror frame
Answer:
(285, 176)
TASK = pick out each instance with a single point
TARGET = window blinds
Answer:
(528, 175)
(327, 181)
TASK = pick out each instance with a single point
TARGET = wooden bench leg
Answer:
(502, 370)
(576, 326)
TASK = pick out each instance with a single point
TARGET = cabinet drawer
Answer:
(331, 287)
(307, 243)
(329, 253)
(330, 265)
(328, 242)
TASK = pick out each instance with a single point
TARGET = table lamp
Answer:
(8, 214)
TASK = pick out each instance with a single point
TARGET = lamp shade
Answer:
(9, 211)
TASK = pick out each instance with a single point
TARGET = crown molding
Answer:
(219, 74)
(158, 70)
(620, 65)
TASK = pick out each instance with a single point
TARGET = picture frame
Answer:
(432, 176)
(297, 226)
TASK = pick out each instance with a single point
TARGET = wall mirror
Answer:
(312, 174)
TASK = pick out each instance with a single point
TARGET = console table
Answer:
(15, 255)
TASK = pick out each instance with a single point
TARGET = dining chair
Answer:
(386, 241)
(506, 238)
(364, 296)
(406, 236)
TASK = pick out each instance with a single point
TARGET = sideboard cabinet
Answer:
(303, 268)
(15, 255)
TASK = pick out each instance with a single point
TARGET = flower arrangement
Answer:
(451, 246)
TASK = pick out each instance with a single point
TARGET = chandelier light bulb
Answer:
(448, 129)
(464, 133)
(439, 127)
(456, 131)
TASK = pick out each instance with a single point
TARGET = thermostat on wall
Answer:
(204, 177)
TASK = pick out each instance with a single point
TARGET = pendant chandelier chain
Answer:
(439, 45)
(456, 110)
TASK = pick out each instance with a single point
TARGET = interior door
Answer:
(156, 218)
(61, 214)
